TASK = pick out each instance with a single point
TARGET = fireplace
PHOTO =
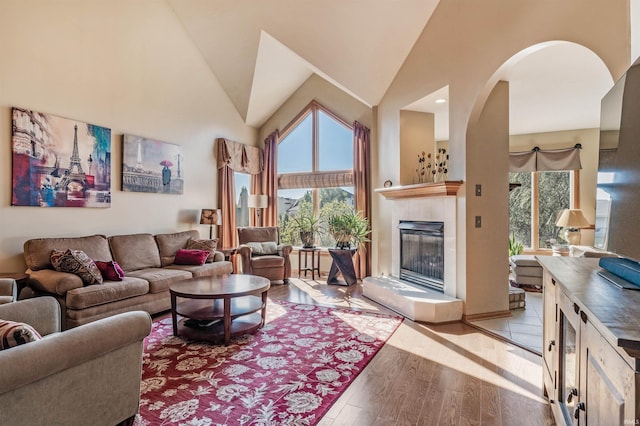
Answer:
(422, 253)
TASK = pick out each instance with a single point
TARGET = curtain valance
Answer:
(240, 157)
(315, 180)
(545, 160)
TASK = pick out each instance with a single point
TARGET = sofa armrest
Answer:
(42, 313)
(71, 348)
(8, 288)
(245, 256)
(54, 282)
(218, 256)
(285, 249)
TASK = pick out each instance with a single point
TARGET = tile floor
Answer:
(523, 328)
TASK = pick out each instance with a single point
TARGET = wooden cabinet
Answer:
(592, 344)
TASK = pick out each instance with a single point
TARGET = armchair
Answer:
(261, 259)
(8, 290)
(90, 374)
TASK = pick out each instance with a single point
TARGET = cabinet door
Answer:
(569, 398)
(607, 382)
(549, 336)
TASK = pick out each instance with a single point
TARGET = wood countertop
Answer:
(615, 312)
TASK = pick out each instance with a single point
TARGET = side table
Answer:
(229, 252)
(315, 261)
(20, 278)
(343, 264)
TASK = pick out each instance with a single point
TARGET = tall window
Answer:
(535, 205)
(242, 183)
(315, 171)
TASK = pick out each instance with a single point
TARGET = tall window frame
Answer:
(318, 171)
(574, 203)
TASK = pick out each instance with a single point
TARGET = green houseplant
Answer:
(307, 224)
(349, 228)
(515, 247)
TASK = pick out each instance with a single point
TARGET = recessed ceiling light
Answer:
(441, 101)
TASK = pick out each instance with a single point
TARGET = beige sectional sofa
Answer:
(146, 259)
(89, 375)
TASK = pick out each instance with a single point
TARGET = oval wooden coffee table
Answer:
(219, 308)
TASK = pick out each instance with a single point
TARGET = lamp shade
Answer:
(256, 201)
(211, 217)
(572, 218)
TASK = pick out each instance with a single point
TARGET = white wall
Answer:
(316, 88)
(463, 45)
(126, 65)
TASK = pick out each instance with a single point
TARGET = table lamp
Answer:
(211, 217)
(258, 202)
(572, 220)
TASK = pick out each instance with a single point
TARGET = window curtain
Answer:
(270, 179)
(233, 157)
(362, 185)
(538, 160)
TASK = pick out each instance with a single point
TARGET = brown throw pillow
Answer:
(206, 245)
(14, 333)
(77, 262)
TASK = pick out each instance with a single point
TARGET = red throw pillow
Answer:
(190, 257)
(110, 270)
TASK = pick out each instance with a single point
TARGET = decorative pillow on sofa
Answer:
(206, 245)
(16, 333)
(191, 257)
(110, 270)
(267, 247)
(76, 262)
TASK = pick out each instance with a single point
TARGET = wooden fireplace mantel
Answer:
(436, 189)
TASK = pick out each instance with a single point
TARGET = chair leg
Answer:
(128, 421)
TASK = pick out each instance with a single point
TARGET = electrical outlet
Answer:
(478, 190)
(478, 221)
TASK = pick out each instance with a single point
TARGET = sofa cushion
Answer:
(262, 248)
(160, 278)
(191, 257)
(524, 260)
(37, 252)
(208, 269)
(168, 244)
(77, 262)
(267, 262)
(14, 333)
(110, 270)
(135, 251)
(208, 245)
(110, 291)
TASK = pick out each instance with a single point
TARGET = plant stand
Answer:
(342, 264)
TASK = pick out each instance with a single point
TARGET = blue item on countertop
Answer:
(628, 269)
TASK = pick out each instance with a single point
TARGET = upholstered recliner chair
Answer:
(8, 290)
(262, 255)
(89, 375)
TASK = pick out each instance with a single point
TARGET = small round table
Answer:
(315, 261)
(219, 307)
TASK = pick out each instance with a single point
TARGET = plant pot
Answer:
(343, 242)
(307, 239)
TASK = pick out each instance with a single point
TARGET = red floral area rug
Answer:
(289, 373)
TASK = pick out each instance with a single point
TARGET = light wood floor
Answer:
(449, 374)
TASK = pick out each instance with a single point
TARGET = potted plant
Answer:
(307, 224)
(349, 228)
(515, 247)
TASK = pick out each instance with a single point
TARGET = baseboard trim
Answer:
(486, 315)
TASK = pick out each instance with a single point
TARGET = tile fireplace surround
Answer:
(423, 202)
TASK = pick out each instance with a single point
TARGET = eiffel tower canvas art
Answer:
(59, 162)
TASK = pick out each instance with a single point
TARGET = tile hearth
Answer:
(414, 302)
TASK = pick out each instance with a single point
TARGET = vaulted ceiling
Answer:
(262, 51)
